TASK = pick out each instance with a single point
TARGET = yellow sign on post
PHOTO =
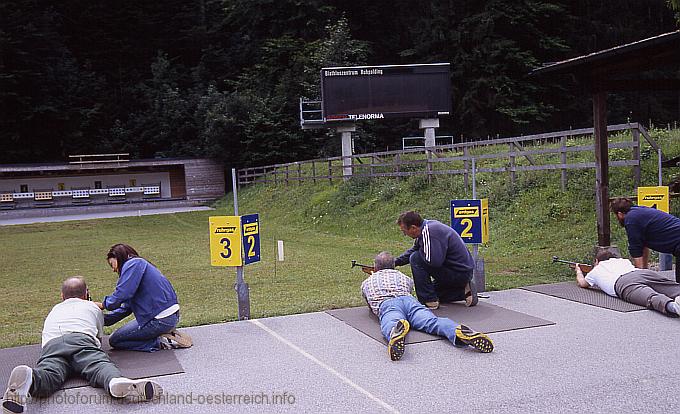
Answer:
(225, 241)
(485, 220)
(654, 197)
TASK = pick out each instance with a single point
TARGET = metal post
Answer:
(474, 180)
(241, 287)
(665, 259)
(636, 156)
(660, 172)
(478, 272)
(466, 153)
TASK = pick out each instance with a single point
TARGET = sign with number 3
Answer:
(234, 240)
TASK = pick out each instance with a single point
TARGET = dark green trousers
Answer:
(71, 354)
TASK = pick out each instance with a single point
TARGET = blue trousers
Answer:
(420, 318)
(437, 283)
(133, 337)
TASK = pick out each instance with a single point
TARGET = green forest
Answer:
(223, 78)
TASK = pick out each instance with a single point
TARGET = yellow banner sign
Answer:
(225, 241)
(654, 197)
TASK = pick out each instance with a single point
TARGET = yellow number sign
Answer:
(225, 241)
(655, 197)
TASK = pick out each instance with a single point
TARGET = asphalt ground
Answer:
(591, 360)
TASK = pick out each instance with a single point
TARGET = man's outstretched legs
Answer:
(398, 315)
(422, 319)
(394, 327)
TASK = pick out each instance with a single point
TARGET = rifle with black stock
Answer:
(585, 268)
(364, 268)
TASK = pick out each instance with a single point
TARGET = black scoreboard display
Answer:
(391, 91)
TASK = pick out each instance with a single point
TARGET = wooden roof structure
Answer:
(620, 68)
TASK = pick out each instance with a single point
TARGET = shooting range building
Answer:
(110, 179)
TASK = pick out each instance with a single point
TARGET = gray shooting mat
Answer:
(572, 291)
(132, 364)
(484, 317)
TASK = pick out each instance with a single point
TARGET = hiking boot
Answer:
(471, 298)
(143, 389)
(479, 341)
(434, 305)
(395, 347)
(175, 340)
(18, 387)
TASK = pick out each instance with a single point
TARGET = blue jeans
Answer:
(145, 338)
(437, 283)
(420, 318)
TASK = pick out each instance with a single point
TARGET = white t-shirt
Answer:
(607, 272)
(74, 315)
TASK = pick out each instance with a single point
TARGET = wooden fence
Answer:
(457, 158)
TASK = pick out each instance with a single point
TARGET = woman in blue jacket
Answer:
(143, 291)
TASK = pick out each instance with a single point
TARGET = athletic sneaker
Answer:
(479, 341)
(676, 305)
(471, 298)
(144, 389)
(18, 387)
(434, 305)
(175, 340)
(397, 339)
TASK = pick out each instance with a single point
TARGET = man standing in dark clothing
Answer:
(441, 264)
(648, 228)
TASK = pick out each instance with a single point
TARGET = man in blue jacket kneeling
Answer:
(441, 264)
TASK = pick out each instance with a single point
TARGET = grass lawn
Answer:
(36, 258)
(324, 226)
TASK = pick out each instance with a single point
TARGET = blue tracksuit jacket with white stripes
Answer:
(440, 246)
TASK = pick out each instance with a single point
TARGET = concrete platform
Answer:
(591, 360)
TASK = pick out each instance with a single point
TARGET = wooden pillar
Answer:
(299, 174)
(330, 172)
(601, 168)
(513, 174)
(563, 159)
(314, 172)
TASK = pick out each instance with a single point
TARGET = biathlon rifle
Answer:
(364, 268)
(585, 268)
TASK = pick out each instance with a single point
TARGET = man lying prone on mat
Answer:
(619, 278)
(71, 344)
(388, 293)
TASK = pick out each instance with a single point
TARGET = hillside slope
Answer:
(529, 222)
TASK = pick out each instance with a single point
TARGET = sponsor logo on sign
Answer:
(367, 116)
(653, 197)
(466, 212)
(249, 229)
(225, 230)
